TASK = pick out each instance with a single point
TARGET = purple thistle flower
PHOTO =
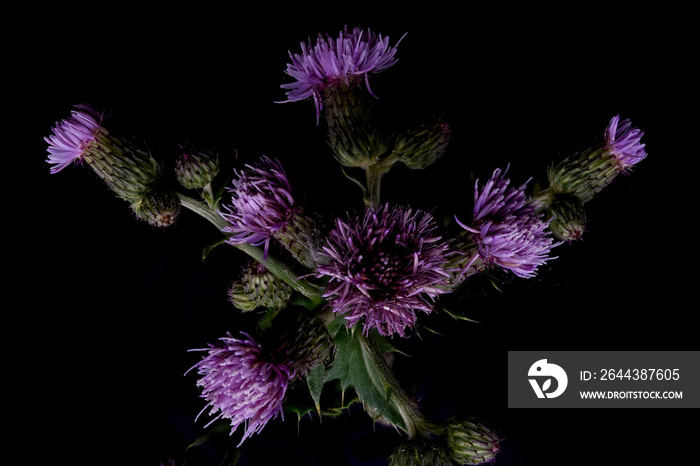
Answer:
(72, 137)
(240, 385)
(352, 54)
(506, 228)
(624, 142)
(382, 267)
(261, 204)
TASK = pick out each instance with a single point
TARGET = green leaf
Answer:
(315, 379)
(335, 325)
(210, 247)
(355, 180)
(457, 315)
(359, 364)
(215, 429)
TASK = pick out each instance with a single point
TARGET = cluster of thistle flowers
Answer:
(380, 268)
(127, 168)
(577, 179)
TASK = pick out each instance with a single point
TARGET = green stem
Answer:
(278, 268)
(202, 210)
(374, 179)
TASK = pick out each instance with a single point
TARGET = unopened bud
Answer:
(420, 451)
(470, 442)
(196, 169)
(464, 262)
(300, 339)
(259, 288)
(158, 208)
(420, 147)
(302, 238)
(568, 218)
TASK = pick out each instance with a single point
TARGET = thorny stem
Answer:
(279, 269)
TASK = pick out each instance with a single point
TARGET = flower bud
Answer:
(300, 339)
(302, 238)
(420, 147)
(196, 169)
(470, 442)
(420, 451)
(568, 218)
(158, 208)
(259, 288)
(463, 262)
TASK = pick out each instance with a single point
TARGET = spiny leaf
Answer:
(456, 315)
(357, 366)
(210, 247)
(355, 180)
(314, 380)
(217, 428)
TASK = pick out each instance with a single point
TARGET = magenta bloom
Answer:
(506, 229)
(383, 267)
(352, 54)
(624, 142)
(261, 204)
(240, 385)
(72, 137)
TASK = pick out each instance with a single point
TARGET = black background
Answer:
(101, 309)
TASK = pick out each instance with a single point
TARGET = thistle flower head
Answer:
(382, 267)
(72, 137)
(240, 385)
(624, 142)
(353, 54)
(506, 228)
(261, 203)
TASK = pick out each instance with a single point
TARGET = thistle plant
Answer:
(331, 296)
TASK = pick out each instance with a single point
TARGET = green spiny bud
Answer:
(421, 451)
(196, 169)
(259, 288)
(420, 147)
(302, 238)
(300, 339)
(128, 170)
(353, 134)
(568, 218)
(239, 296)
(464, 263)
(470, 442)
(158, 208)
(584, 176)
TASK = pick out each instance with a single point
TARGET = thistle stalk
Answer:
(279, 269)
(374, 175)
